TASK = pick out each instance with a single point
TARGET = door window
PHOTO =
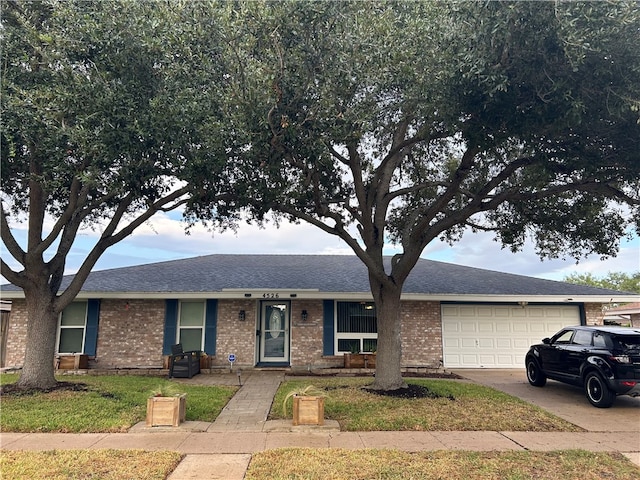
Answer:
(275, 332)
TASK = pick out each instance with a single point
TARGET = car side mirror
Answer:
(546, 341)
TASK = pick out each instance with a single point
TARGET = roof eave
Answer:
(288, 294)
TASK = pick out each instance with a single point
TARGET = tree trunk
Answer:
(389, 353)
(42, 322)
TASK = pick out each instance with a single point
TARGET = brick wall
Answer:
(130, 334)
(306, 336)
(593, 313)
(16, 334)
(236, 336)
(421, 334)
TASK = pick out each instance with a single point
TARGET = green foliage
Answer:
(108, 108)
(109, 404)
(407, 122)
(623, 282)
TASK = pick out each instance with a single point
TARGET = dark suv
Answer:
(605, 361)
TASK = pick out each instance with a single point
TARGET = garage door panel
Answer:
(504, 361)
(498, 336)
(467, 327)
(519, 343)
(520, 327)
(452, 327)
(470, 359)
(503, 327)
(468, 342)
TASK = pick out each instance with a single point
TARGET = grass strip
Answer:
(88, 465)
(339, 464)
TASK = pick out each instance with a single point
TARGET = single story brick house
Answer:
(305, 312)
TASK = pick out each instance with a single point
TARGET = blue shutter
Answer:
(211, 327)
(91, 333)
(328, 335)
(170, 325)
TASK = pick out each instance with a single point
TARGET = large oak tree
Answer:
(106, 107)
(405, 122)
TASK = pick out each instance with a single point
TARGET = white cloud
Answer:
(163, 238)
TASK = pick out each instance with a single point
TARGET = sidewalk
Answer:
(222, 449)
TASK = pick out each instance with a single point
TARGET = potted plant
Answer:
(166, 407)
(356, 359)
(308, 405)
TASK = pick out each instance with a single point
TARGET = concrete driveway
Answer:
(565, 401)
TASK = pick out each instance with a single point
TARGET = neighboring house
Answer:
(306, 311)
(628, 314)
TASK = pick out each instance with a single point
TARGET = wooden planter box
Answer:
(308, 410)
(205, 362)
(72, 362)
(166, 411)
(359, 360)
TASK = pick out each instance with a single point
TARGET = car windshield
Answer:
(628, 342)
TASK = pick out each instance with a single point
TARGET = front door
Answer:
(274, 332)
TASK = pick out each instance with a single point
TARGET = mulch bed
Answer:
(410, 391)
(12, 389)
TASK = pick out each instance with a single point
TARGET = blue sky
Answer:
(163, 238)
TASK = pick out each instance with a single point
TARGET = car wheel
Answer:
(597, 391)
(534, 373)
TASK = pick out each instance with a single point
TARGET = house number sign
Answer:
(270, 295)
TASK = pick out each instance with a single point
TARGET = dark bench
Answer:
(183, 364)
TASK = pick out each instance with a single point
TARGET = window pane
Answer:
(356, 317)
(369, 345)
(582, 337)
(191, 338)
(349, 345)
(191, 314)
(71, 340)
(74, 314)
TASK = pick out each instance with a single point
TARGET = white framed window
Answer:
(72, 328)
(356, 327)
(191, 321)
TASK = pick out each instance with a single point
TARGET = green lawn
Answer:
(109, 404)
(461, 406)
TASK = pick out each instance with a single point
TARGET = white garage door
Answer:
(498, 336)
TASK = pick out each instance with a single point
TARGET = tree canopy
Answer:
(107, 107)
(404, 122)
(621, 281)
(378, 122)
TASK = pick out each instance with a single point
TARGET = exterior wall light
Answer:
(242, 315)
(305, 315)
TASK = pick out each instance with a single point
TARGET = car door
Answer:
(556, 353)
(577, 352)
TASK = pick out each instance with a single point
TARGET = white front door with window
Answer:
(274, 332)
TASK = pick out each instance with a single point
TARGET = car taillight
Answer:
(620, 358)
(629, 384)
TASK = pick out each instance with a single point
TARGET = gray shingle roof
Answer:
(325, 273)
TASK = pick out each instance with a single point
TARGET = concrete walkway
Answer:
(223, 449)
